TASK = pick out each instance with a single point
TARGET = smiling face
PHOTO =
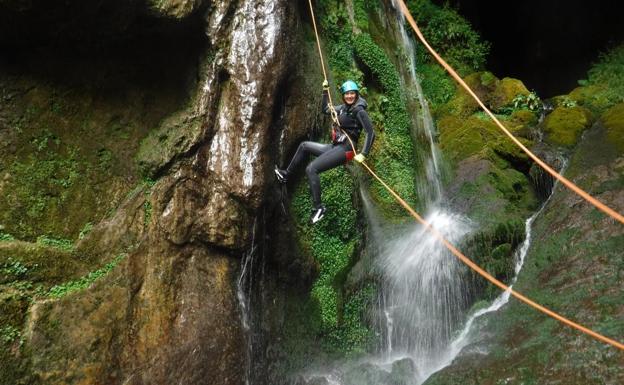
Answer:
(349, 97)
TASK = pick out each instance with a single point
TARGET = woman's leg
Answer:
(305, 148)
(328, 160)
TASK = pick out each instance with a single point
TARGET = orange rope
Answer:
(601, 206)
(332, 110)
(486, 275)
(441, 238)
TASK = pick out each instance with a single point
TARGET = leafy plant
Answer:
(9, 333)
(86, 229)
(6, 237)
(609, 70)
(58, 291)
(568, 103)
(450, 35)
(531, 102)
(14, 268)
(63, 244)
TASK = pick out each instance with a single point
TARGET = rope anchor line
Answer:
(437, 234)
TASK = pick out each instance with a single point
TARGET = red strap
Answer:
(350, 155)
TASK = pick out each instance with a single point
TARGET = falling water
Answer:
(245, 283)
(424, 121)
(250, 293)
(423, 293)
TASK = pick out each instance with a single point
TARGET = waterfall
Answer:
(243, 293)
(250, 292)
(422, 120)
(424, 295)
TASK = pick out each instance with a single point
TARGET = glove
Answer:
(325, 84)
(359, 158)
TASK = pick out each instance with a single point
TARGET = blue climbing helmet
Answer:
(349, 85)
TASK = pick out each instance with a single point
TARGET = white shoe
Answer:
(281, 175)
(318, 214)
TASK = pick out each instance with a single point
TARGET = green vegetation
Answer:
(608, 75)
(450, 35)
(396, 151)
(6, 237)
(564, 125)
(331, 242)
(63, 244)
(85, 230)
(613, 120)
(530, 102)
(8, 334)
(436, 84)
(58, 291)
(14, 269)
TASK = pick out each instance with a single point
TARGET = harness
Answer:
(347, 127)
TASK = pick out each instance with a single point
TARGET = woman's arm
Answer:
(364, 121)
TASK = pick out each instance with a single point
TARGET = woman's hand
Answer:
(359, 158)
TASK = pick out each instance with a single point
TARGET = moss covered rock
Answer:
(564, 125)
(613, 120)
(506, 90)
(594, 97)
(494, 93)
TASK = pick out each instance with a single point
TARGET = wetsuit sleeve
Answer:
(364, 121)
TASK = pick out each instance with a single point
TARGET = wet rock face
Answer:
(155, 321)
(169, 312)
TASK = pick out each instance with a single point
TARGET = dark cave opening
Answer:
(549, 45)
(104, 47)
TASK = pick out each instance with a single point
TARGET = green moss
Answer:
(65, 152)
(437, 84)
(564, 126)
(394, 153)
(450, 35)
(82, 283)
(507, 90)
(613, 120)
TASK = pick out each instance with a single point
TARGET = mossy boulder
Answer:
(505, 92)
(613, 121)
(462, 138)
(462, 103)
(564, 125)
(493, 92)
(594, 97)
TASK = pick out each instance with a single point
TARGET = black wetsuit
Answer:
(352, 120)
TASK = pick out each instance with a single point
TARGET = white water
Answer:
(244, 292)
(424, 294)
(424, 121)
(465, 337)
